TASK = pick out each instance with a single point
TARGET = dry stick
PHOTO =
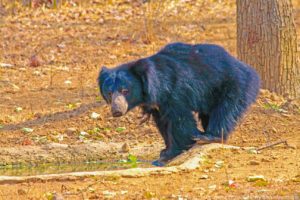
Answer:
(225, 168)
(157, 12)
(273, 144)
(145, 20)
(13, 7)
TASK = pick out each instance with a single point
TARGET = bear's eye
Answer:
(110, 94)
(124, 92)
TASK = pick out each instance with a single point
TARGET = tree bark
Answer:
(267, 41)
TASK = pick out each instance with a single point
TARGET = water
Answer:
(57, 168)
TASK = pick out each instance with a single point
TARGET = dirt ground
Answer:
(49, 63)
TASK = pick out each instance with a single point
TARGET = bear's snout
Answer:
(119, 105)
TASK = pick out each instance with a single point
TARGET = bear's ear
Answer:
(104, 73)
(138, 68)
(145, 71)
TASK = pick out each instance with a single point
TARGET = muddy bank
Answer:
(63, 153)
(190, 160)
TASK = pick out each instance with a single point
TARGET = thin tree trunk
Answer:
(13, 7)
(267, 41)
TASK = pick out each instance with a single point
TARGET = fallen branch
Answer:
(273, 144)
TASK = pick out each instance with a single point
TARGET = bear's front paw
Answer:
(165, 156)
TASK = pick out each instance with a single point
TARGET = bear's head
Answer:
(121, 88)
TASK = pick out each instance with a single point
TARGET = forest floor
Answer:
(49, 63)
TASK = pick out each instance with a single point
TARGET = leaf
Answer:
(149, 195)
(87, 141)
(232, 184)
(132, 158)
(5, 65)
(95, 115)
(204, 176)
(124, 162)
(134, 165)
(274, 106)
(59, 137)
(27, 130)
(296, 179)
(1, 127)
(28, 142)
(255, 178)
(83, 133)
(252, 152)
(8, 166)
(71, 106)
(14, 85)
(261, 183)
(68, 82)
(108, 193)
(120, 129)
(262, 191)
(219, 164)
(212, 187)
(18, 109)
(57, 102)
(48, 195)
(96, 129)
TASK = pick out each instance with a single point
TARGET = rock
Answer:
(71, 130)
(255, 178)
(57, 197)
(230, 166)
(204, 176)
(253, 162)
(21, 191)
(125, 148)
(38, 115)
(265, 160)
(292, 146)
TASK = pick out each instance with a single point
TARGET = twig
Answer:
(279, 111)
(145, 118)
(145, 20)
(273, 144)
(263, 130)
(223, 154)
(157, 12)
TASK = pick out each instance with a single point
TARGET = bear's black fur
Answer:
(178, 80)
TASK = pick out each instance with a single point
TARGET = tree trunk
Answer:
(267, 41)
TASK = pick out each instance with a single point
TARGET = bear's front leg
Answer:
(162, 125)
(178, 132)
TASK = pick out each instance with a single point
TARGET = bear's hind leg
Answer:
(222, 120)
(204, 120)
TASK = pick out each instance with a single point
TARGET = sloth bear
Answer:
(175, 82)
